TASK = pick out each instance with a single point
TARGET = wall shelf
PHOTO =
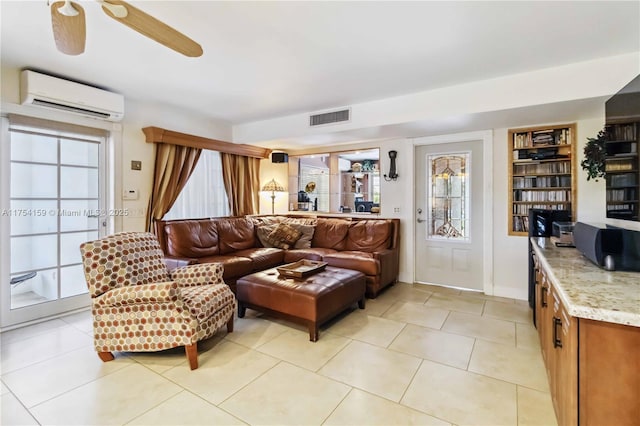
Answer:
(541, 172)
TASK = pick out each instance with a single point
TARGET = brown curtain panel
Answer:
(174, 164)
(241, 176)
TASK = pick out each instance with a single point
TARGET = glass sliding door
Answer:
(56, 202)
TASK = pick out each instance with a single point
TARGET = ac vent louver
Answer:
(330, 117)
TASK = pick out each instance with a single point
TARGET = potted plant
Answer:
(595, 154)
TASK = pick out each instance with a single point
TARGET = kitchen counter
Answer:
(588, 291)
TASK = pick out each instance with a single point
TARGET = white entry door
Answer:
(449, 214)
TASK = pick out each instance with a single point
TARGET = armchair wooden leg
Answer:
(192, 355)
(230, 325)
(105, 356)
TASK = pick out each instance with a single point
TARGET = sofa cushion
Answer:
(330, 233)
(314, 253)
(235, 233)
(262, 232)
(263, 258)
(369, 235)
(234, 266)
(192, 238)
(356, 260)
(283, 236)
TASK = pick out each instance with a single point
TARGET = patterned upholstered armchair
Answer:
(138, 307)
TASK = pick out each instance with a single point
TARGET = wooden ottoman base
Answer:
(310, 301)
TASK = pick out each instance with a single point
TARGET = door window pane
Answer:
(448, 195)
(34, 148)
(33, 181)
(33, 252)
(78, 182)
(70, 246)
(33, 216)
(78, 153)
(37, 287)
(72, 281)
(78, 215)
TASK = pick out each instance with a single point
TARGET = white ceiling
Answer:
(269, 59)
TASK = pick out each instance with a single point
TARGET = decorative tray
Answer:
(301, 268)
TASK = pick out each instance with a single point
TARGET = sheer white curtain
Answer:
(204, 194)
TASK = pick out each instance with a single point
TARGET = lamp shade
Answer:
(273, 186)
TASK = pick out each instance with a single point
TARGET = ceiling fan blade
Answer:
(69, 31)
(154, 29)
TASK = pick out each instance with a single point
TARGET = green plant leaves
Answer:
(595, 154)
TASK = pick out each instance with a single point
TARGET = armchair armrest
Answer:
(201, 273)
(173, 262)
(139, 294)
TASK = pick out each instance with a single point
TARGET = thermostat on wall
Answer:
(130, 194)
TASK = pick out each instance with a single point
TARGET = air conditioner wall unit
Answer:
(56, 93)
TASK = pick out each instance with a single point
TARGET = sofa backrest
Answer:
(190, 238)
(369, 235)
(236, 233)
(330, 233)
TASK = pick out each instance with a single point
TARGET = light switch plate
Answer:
(136, 165)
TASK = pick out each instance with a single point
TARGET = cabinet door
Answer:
(565, 386)
(609, 373)
(544, 316)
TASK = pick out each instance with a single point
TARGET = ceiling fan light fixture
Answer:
(68, 10)
(118, 10)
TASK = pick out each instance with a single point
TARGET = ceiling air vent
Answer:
(329, 117)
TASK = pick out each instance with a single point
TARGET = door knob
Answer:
(421, 220)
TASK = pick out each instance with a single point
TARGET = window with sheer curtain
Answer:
(204, 194)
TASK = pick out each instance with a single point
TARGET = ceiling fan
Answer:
(69, 29)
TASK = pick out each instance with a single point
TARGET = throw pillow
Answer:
(306, 235)
(284, 236)
(262, 232)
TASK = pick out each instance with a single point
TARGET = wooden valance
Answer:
(158, 135)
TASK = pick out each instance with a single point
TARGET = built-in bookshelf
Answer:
(622, 170)
(541, 172)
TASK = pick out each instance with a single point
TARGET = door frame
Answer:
(486, 137)
(110, 150)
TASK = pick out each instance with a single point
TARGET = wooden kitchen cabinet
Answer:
(593, 366)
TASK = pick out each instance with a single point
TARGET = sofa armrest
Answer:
(389, 264)
(174, 262)
(202, 273)
(155, 293)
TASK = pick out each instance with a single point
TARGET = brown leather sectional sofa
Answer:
(368, 245)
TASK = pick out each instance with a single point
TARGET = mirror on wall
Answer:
(339, 182)
(309, 182)
(622, 163)
(359, 175)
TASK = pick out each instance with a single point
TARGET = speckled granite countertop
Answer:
(588, 291)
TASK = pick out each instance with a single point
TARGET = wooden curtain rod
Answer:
(158, 135)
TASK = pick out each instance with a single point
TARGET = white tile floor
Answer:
(416, 355)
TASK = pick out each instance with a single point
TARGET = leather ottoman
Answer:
(311, 301)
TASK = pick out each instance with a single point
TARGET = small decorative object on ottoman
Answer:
(311, 301)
